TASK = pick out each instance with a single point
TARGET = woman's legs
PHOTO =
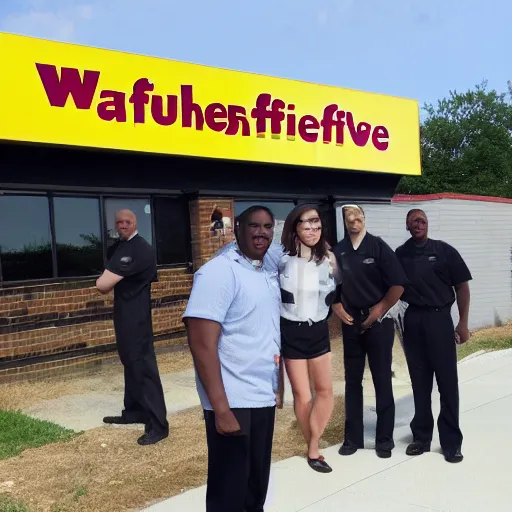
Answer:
(297, 370)
(320, 371)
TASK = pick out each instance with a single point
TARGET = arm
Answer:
(459, 277)
(463, 300)
(124, 263)
(107, 281)
(211, 297)
(336, 271)
(394, 277)
(280, 390)
(337, 306)
(391, 298)
(203, 339)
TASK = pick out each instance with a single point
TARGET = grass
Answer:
(19, 432)
(496, 338)
(105, 469)
(8, 504)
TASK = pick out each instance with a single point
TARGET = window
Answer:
(25, 238)
(140, 207)
(172, 230)
(43, 236)
(78, 236)
(279, 209)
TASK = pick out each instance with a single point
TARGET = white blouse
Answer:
(306, 287)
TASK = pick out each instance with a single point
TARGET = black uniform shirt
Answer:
(135, 261)
(432, 269)
(368, 272)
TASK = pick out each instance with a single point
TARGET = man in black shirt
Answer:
(437, 275)
(372, 283)
(130, 271)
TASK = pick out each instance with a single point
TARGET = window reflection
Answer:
(171, 230)
(140, 207)
(279, 209)
(25, 238)
(78, 236)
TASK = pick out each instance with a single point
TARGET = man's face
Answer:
(256, 234)
(126, 224)
(354, 220)
(309, 228)
(417, 224)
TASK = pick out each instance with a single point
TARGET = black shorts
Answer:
(301, 340)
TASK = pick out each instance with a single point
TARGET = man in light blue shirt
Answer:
(232, 321)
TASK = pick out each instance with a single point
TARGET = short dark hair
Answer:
(414, 210)
(289, 236)
(244, 217)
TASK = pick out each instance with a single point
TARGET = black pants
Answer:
(144, 400)
(430, 349)
(377, 344)
(239, 466)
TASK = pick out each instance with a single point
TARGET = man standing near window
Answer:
(130, 271)
(437, 276)
(232, 321)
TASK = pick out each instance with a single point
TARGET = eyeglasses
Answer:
(314, 221)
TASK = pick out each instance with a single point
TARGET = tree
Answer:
(466, 145)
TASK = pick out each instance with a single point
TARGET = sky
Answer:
(410, 48)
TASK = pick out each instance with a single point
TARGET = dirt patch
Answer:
(493, 333)
(109, 377)
(104, 469)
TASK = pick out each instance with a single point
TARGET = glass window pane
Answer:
(172, 228)
(279, 209)
(78, 236)
(25, 238)
(140, 207)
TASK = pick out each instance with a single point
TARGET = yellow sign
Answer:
(73, 95)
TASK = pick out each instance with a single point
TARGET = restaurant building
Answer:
(85, 132)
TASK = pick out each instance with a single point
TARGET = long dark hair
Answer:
(289, 237)
(242, 219)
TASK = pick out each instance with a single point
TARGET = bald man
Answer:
(130, 271)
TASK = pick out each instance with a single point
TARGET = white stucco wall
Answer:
(480, 231)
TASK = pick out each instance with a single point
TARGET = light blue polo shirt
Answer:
(246, 302)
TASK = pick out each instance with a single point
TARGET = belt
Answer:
(285, 321)
(412, 307)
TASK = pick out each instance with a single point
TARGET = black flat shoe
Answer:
(383, 454)
(347, 449)
(151, 438)
(119, 420)
(319, 465)
(417, 448)
(454, 458)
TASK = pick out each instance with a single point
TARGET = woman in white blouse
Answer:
(308, 276)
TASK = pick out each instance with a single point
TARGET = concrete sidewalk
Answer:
(363, 482)
(180, 394)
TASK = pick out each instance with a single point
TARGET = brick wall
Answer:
(63, 327)
(204, 244)
(43, 325)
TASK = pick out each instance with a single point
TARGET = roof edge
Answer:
(403, 198)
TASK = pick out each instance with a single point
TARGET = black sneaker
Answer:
(152, 438)
(119, 420)
(417, 448)
(454, 457)
(383, 454)
(347, 449)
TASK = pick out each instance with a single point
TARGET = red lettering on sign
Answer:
(270, 115)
